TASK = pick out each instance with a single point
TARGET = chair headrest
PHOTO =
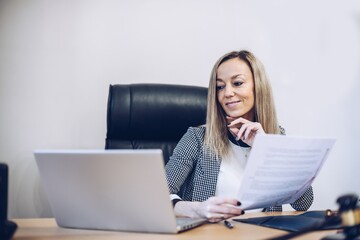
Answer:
(154, 111)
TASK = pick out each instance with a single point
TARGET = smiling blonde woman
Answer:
(206, 168)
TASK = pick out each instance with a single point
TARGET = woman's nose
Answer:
(229, 91)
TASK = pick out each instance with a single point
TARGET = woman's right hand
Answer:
(214, 209)
(244, 129)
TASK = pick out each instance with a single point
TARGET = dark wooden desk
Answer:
(46, 228)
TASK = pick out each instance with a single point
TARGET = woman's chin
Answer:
(233, 115)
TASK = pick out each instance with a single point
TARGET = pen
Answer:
(228, 224)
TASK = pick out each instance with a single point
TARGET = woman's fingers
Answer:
(252, 129)
(244, 129)
(236, 122)
(222, 212)
(224, 200)
(227, 210)
(216, 209)
(234, 131)
(216, 217)
(240, 134)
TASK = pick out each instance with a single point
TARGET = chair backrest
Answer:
(3, 192)
(7, 228)
(153, 116)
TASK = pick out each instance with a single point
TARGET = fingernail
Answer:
(242, 212)
(238, 203)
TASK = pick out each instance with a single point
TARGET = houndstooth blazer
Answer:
(194, 170)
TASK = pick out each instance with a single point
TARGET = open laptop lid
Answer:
(107, 189)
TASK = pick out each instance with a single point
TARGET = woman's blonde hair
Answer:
(216, 135)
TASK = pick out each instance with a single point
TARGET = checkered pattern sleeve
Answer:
(183, 160)
(304, 202)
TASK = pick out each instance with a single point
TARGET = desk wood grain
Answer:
(46, 228)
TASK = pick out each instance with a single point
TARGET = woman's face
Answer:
(235, 89)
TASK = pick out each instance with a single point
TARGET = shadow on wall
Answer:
(41, 203)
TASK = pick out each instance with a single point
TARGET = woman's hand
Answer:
(244, 129)
(214, 209)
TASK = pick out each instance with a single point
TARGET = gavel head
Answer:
(347, 202)
(349, 211)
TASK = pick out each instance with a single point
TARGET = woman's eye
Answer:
(220, 87)
(238, 83)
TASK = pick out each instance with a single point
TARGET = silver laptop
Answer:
(122, 190)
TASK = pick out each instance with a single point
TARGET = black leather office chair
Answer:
(153, 116)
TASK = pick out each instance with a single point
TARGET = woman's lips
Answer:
(232, 103)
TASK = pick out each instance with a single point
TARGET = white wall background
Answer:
(57, 59)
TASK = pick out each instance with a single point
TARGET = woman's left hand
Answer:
(244, 129)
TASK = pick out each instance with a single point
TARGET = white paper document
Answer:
(280, 169)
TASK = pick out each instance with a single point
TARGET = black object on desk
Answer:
(7, 228)
(292, 223)
(228, 224)
(346, 218)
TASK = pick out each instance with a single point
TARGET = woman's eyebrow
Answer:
(238, 75)
(233, 77)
